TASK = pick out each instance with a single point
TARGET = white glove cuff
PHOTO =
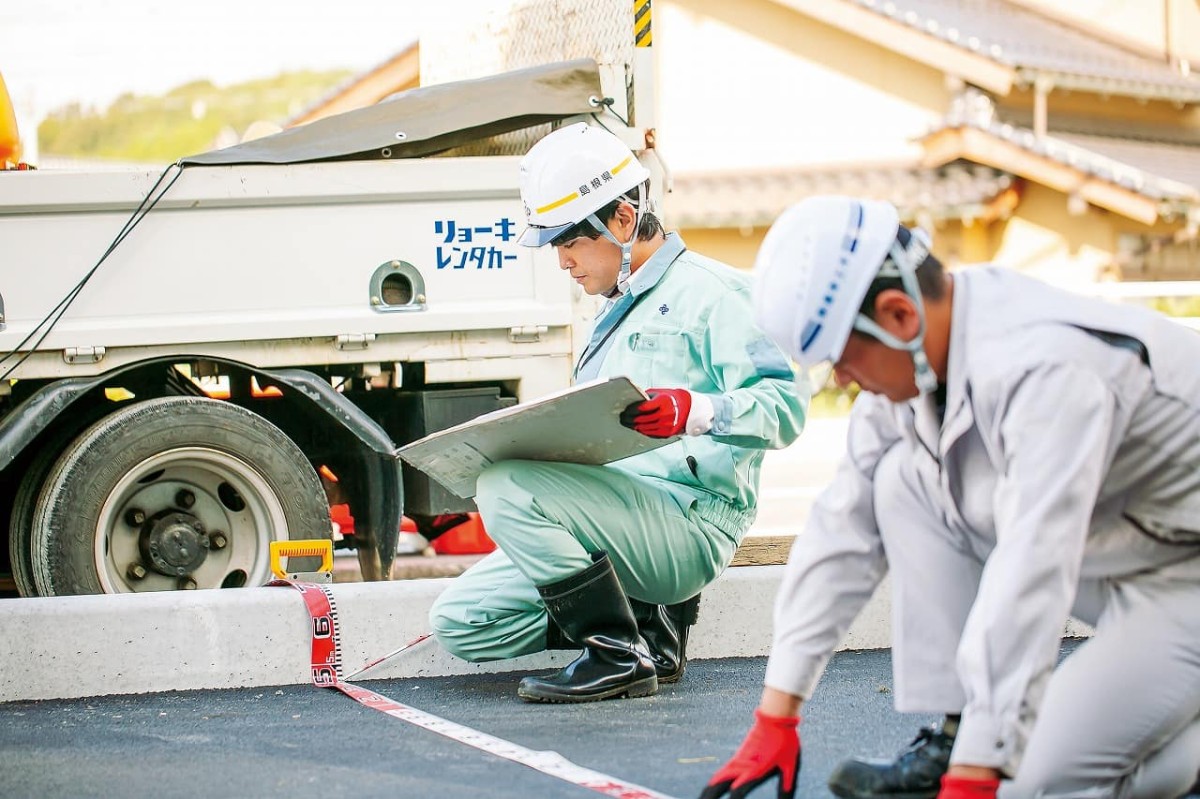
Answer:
(700, 420)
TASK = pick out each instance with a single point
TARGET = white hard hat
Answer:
(813, 271)
(569, 175)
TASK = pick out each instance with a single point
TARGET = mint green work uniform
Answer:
(670, 519)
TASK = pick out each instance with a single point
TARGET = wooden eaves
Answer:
(898, 37)
(983, 147)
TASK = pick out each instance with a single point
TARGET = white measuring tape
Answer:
(327, 671)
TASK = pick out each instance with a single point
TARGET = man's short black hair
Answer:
(648, 228)
(931, 277)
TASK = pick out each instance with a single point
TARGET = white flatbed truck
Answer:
(288, 313)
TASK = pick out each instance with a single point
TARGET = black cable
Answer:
(601, 124)
(608, 103)
(56, 313)
(125, 231)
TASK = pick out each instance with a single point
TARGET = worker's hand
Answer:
(664, 415)
(771, 749)
(968, 788)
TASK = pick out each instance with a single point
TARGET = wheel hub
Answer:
(174, 543)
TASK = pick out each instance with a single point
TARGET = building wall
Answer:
(729, 245)
(1044, 239)
(753, 84)
(1041, 238)
(739, 247)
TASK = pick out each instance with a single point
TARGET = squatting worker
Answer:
(1018, 454)
(611, 559)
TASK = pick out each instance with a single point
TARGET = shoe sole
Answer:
(646, 687)
(667, 679)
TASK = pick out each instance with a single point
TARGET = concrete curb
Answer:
(67, 647)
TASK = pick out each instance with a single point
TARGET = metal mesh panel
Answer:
(528, 34)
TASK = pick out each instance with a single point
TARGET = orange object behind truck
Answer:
(451, 534)
(10, 140)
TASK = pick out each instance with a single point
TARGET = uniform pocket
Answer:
(648, 344)
(659, 359)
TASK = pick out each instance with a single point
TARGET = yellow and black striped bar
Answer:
(643, 36)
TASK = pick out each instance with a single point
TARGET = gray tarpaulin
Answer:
(428, 120)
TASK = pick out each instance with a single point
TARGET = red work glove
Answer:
(664, 415)
(967, 788)
(771, 749)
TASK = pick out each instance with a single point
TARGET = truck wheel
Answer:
(20, 530)
(20, 526)
(175, 492)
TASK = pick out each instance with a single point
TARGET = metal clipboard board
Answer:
(577, 425)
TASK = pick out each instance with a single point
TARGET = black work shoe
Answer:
(915, 774)
(664, 628)
(591, 608)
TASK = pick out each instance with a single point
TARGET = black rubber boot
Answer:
(915, 774)
(591, 608)
(665, 630)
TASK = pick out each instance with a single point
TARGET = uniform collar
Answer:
(957, 419)
(650, 272)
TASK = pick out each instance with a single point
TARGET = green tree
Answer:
(185, 121)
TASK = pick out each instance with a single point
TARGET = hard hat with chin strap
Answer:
(572, 173)
(814, 269)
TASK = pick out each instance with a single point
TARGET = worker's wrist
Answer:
(700, 417)
(779, 703)
(968, 772)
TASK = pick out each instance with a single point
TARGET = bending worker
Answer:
(1018, 454)
(611, 559)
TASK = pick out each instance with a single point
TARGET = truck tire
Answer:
(20, 523)
(174, 492)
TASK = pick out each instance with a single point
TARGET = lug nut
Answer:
(186, 584)
(217, 540)
(184, 498)
(136, 571)
(135, 517)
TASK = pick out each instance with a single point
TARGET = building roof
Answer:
(1033, 44)
(1102, 180)
(969, 167)
(1133, 165)
(400, 72)
(751, 198)
(1180, 161)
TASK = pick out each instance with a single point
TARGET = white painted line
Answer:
(325, 661)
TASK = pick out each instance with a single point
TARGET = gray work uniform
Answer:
(1063, 476)
(671, 518)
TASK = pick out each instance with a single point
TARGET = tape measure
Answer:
(326, 665)
(315, 548)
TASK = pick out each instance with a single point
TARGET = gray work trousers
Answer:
(1120, 717)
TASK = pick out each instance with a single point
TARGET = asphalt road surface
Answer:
(300, 741)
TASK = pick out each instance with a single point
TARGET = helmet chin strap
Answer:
(904, 263)
(626, 247)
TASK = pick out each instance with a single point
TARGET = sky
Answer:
(54, 52)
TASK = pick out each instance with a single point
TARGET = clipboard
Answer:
(577, 425)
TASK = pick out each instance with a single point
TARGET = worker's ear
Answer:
(625, 218)
(896, 313)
